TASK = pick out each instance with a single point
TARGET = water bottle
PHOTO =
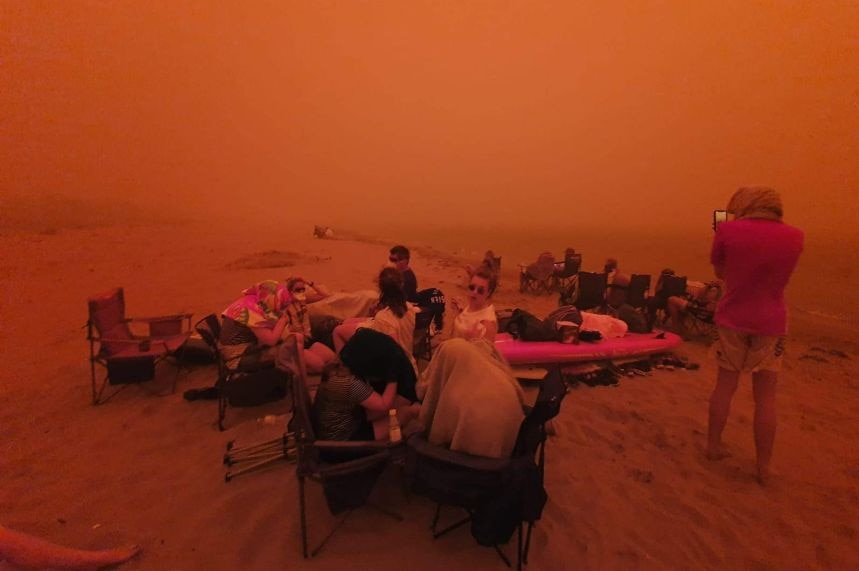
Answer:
(394, 433)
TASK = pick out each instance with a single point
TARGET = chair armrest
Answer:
(353, 444)
(173, 317)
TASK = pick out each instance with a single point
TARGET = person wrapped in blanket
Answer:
(372, 376)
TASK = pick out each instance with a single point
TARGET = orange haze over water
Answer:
(507, 115)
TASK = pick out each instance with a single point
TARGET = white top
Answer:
(468, 319)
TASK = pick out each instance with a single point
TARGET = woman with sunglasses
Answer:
(477, 319)
(316, 355)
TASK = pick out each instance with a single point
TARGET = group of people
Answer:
(466, 380)
(369, 368)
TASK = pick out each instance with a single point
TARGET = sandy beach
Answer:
(628, 483)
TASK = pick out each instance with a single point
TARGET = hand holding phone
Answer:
(719, 216)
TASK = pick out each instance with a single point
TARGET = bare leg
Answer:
(676, 308)
(30, 552)
(720, 405)
(764, 385)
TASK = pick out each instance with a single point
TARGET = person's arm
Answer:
(270, 336)
(381, 402)
(491, 329)
(320, 292)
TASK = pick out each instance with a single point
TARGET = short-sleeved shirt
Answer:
(410, 285)
(337, 407)
(757, 258)
(467, 319)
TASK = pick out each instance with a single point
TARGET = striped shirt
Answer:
(337, 407)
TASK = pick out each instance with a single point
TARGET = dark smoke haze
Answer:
(362, 112)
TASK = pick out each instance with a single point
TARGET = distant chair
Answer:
(636, 293)
(565, 275)
(590, 290)
(127, 357)
(538, 276)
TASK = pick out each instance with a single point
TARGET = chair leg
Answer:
(222, 410)
(527, 542)
(502, 555)
(302, 515)
(519, 558)
(330, 533)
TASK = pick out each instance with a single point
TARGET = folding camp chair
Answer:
(241, 384)
(636, 293)
(590, 290)
(698, 319)
(346, 485)
(538, 276)
(667, 286)
(565, 275)
(482, 486)
(128, 357)
(423, 335)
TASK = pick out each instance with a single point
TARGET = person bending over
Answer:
(254, 325)
(477, 319)
(371, 377)
(755, 254)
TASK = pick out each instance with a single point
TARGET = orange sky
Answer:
(502, 111)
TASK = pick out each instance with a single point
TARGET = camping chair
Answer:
(698, 319)
(636, 292)
(566, 274)
(667, 286)
(241, 385)
(590, 290)
(481, 486)
(126, 356)
(346, 485)
(538, 276)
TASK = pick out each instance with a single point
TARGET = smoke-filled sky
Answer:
(435, 110)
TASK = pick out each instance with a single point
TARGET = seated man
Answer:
(700, 305)
(617, 307)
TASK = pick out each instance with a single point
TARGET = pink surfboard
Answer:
(543, 352)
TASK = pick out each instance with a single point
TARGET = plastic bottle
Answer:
(394, 433)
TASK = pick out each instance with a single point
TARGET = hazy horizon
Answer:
(435, 113)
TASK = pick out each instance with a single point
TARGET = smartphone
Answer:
(719, 216)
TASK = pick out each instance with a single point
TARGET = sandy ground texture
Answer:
(628, 482)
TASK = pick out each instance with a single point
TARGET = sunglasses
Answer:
(394, 260)
(478, 288)
(299, 290)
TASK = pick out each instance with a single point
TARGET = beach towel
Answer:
(343, 305)
(472, 403)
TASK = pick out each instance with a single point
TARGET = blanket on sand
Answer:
(472, 403)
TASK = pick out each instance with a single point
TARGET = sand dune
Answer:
(629, 486)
